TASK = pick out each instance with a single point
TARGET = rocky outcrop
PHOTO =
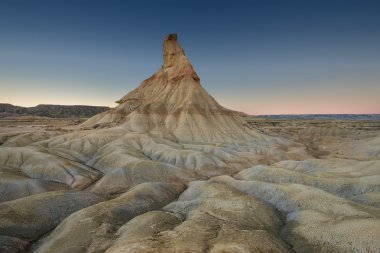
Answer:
(316, 221)
(208, 217)
(26, 219)
(91, 229)
(173, 103)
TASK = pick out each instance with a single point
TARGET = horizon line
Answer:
(251, 114)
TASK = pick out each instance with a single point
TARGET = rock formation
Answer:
(172, 103)
(171, 170)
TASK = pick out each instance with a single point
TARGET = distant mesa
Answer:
(52, 111)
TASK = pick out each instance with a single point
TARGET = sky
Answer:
(260, 57)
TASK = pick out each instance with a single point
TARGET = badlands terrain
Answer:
(171, 170)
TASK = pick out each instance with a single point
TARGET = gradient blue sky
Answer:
(260, 57)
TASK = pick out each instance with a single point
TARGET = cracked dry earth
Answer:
(171, 170)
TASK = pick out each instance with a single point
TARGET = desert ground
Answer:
(171, 170)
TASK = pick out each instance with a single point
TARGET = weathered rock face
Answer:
(172, 102)
(171, 170)
(172, 52)
(90, 229)
(210, 217)
(27, 219)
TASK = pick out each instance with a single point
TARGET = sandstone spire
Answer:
(172, 52)
(172, 102)
(175, 62)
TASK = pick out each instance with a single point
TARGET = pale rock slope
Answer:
(172, 103)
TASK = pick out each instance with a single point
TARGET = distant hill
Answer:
(52, 111)
(323, 116)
